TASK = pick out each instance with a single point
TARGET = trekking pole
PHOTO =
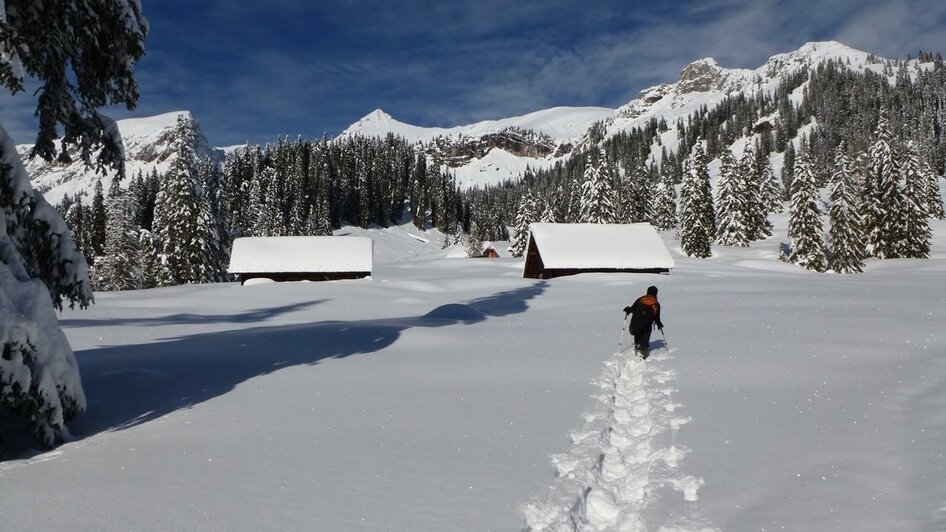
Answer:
(666, 345)
(621, 341)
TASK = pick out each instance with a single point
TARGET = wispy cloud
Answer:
(303, 68)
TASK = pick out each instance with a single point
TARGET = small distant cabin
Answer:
(489, 251)
(301, 258)
(567, 249)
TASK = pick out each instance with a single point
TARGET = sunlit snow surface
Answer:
(451, 394)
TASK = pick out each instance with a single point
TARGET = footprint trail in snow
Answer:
(622, 470)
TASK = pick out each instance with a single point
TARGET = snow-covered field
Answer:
(451, 394)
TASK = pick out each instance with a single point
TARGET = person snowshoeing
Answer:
(645, 312)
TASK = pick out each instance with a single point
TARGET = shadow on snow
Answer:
(251, 316)
(132, 384)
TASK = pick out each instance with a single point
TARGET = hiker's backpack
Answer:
(647, 310)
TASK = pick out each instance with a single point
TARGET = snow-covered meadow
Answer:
(452, 394)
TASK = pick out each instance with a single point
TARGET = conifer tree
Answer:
(788, 168)
(880, 187)
(638, 203)
(697, 213)
(474, 246)
(730, 203)
(98, 220)
(665, 201)
(805, 230)
(934, 198)
(419, 199)
(916, 228)
(756, 200)
(597, 195)
(177, 213)
(525, 215)
(120, 265)
(844, 235)
(773, 193)
(81, 56)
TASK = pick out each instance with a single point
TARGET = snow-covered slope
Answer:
(562, 124)
(147, 143)
(452, 394)
(705, 83)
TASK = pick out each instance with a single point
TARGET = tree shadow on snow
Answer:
(132, 384)
(250, 316)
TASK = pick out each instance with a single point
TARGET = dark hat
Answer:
(651, 290)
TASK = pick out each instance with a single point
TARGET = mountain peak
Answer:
(701, 75)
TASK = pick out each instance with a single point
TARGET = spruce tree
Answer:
(773, 193)
(805, 229)
(916, 228)
(756, 200)
(525, 215)
(788, 168)
(98, 220)
(665, 201)
(81, 56)
(121, 265)
(934, 198)
(178, 215)
(474, 246)
(638, 204)
(844, 235)
(731, 207)
(597, 195)
(697, 213)
(420, 199)
(880, 186)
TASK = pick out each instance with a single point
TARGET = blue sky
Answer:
(253, 71)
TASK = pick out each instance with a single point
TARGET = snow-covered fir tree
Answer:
(772, 190)
(120, 268)
(665, 201)
(788, 169)
(934, 198)
(98, 220)
(79, 55)
(597, 195)
(844, 234)
(916, 233)
(697, 213)
(731, 203)
(179, 214)
(881, 203)
(756, 201)
(548, 214)
(525, 215)
(805, 230)
(637, 196)
(474, 246)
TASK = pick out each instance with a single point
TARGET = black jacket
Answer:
(641, 320)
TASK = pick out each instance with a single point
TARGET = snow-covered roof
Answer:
(298, 254)
(600, 246)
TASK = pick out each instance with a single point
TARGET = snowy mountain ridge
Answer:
(492, 151)
(702, 83)
(705, 83)
(147, 142)
(562, 124)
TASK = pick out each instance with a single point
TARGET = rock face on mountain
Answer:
(147, 143)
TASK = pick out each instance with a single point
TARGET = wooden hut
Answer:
(567, 249)
(301, 258)
(489, 251)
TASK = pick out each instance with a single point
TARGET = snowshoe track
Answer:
(623, 459)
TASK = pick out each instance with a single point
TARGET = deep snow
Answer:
(451, 394)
